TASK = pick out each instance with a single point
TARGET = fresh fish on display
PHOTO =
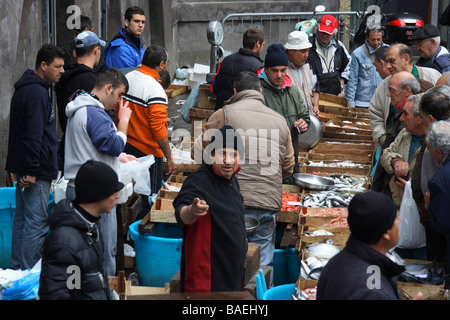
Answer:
(317, 256)
(346, 126)
(319, 233)
(327, 199)
(349, 184)
(340, 164)
(352, 143)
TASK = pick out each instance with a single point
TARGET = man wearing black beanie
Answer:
(72, 259)
(362, 271)
(210, 208)
(281, 96)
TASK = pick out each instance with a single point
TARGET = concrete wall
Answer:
(20, 40)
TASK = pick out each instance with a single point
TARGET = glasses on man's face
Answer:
(391, 90)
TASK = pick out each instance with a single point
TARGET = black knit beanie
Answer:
(95, 181)
(276, 56)
(370, 215)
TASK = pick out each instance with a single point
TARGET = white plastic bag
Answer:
(412, 232)
(138, 171)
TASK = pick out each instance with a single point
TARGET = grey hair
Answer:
(438, 136)
(436, 39)
(412, 83)
(416, 103)
(443, 89)
(447, 77)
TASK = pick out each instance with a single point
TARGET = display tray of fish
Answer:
(340, 164)
(327, 199)
(347, 183)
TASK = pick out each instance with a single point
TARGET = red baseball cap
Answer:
(328, 24)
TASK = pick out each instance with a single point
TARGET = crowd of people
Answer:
(112, 108)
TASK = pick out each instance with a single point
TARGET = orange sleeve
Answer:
(158, 121)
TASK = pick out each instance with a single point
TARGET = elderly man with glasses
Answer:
(399, 59)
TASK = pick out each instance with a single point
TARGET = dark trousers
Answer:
(156, 177)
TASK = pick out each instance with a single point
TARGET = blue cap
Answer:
(87, 39)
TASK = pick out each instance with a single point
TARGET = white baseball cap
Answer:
(298, 40)
(87, 39)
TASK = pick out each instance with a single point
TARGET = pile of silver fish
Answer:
(349, 184)
(327, 199)
(338, 164)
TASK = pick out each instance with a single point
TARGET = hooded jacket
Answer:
(76, 77)
(74, 242)
(124, 50)
(287, 101)
(33, 140)
(91, 135)
(346, 276)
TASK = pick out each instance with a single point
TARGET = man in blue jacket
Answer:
(126, 49)
(32, 154)
(364, 78)
(432, 54)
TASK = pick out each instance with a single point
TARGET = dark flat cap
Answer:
(426, 32)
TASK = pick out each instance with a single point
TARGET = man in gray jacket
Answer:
(269, 155)
(92, 135)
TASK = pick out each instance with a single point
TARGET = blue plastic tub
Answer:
(7, 211)
(280, 267)
(293, 265)
(158, 254)
(283, 292)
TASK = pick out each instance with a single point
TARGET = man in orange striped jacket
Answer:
(147, 131)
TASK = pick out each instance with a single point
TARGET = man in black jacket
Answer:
(32, 154)
(362, 270)
(79, 75)
(328, 57)
(246, 59)
(72, 264)
(210, 208)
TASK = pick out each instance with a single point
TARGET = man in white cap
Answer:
(329, 59)
(80, 75)
(364, 78)
(297, 50)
